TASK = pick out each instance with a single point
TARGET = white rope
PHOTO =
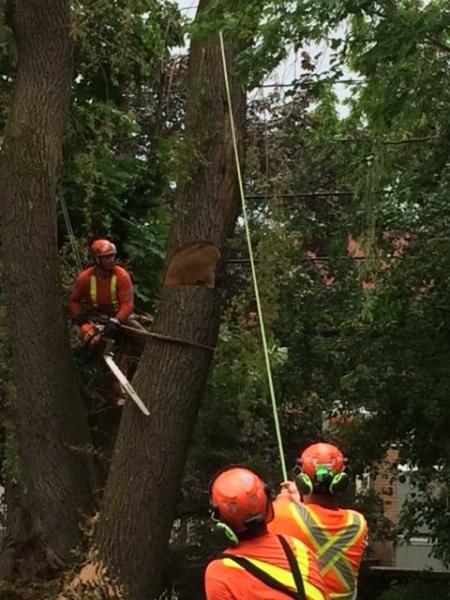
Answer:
(70, 233)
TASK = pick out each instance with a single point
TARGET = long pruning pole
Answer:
(252, 263)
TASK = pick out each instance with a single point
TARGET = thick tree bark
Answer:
(141, 494)
(51, 426)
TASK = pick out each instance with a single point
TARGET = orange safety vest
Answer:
(285, 576)
(337, 538)
(93, 291)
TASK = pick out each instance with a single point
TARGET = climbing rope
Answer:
(252, 262)
(167, 338)
(70, 232)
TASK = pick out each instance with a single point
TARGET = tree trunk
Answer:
(51, 426)
(143, 486)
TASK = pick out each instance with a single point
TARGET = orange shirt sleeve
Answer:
(77, 294)
(284, 522)
(125, 295)
(215, 586)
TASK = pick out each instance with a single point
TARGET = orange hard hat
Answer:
(240, 498)
(321, 455)
(103, 247)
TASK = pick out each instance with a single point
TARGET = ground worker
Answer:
(337, 536)
(102, 293)
(259, 565)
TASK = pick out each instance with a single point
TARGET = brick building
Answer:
(414, 555)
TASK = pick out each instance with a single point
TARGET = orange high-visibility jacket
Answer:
(111, 295)
(337, 536)
(226, 580)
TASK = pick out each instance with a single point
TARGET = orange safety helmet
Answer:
(103, 247)
(240, 498)
(322, 470)
(321, 454)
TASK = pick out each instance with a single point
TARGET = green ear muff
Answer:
(339, 483)
(304, 484)
(324, 480)
(226, 529)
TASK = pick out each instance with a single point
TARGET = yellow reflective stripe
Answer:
(283, 576)
(312, 592)
(301, 554)
(345, 595)
(93, 290)
(113, 290)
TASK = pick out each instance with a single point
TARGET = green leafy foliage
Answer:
(365, 327)
(116, 147)
(355, 285)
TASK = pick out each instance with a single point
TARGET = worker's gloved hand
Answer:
(79, 320)
(289, 491)
(111, 328)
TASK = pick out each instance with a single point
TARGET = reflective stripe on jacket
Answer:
(336, 536)
(112, 289)
(111, 295)
(225, 578)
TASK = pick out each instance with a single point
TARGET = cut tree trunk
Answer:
(141, 494)
(51, 425)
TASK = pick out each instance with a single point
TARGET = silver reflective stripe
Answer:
(320, 537)
(331, 549)
(341, 541)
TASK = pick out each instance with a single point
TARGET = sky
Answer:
(289, 69)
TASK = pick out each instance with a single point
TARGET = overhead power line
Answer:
(189, 7)
(307, 259)
(307, 83)
(311, 194)
(415, 140)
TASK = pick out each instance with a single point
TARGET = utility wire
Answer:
(309, 83)
(238, 261)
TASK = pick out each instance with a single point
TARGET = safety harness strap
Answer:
(295, 569)
(268, 579)
(261, 575)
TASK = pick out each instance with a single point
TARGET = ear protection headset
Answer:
(224, 528)
(220, 524)
(325, 481)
